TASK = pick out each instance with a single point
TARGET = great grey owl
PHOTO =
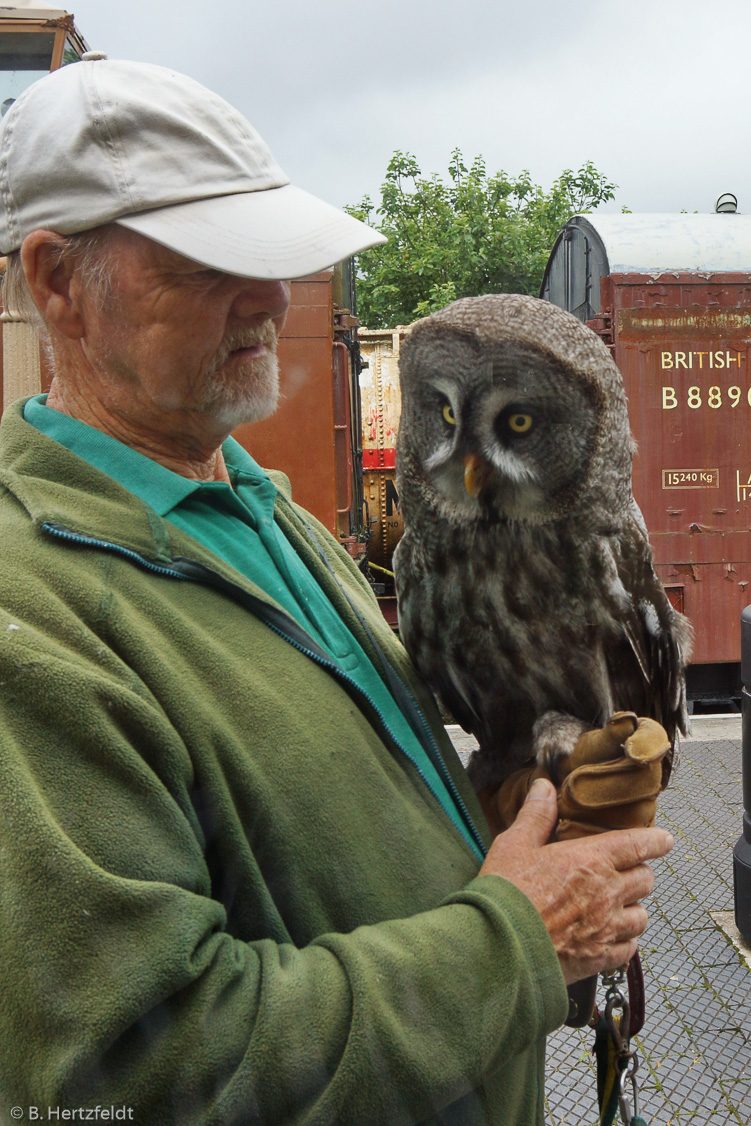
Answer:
(524, 578)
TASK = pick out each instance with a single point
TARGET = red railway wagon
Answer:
(671, 297)
(314, 435)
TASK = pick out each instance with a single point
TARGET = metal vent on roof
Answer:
(727, 204)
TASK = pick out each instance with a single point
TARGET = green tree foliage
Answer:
(470, 234)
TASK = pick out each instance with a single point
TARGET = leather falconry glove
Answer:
(613, 777)
(611, 780)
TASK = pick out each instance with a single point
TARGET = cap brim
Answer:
(278, 233)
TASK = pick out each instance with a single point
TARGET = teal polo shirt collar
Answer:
(159, 487)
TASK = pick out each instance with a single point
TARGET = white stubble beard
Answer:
(233, 401)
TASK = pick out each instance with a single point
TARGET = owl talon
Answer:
(554, 736)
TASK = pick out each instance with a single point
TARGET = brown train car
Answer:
(671, 297)
(314, 435)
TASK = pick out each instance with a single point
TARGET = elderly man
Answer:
(243, 878)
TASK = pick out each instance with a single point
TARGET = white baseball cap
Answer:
(104, 140)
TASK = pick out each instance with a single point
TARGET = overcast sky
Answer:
(655, 94)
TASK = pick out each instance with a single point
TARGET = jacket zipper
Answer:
(188, 570)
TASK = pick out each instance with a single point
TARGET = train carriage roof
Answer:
(645, 243)
(30, 9)
(592, 246)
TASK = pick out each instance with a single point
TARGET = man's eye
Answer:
(200, 277)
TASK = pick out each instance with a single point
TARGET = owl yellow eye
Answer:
(520, 423)
(448, 414)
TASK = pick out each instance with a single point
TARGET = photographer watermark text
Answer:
(72, 1114)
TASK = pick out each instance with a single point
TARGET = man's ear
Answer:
(49, 275)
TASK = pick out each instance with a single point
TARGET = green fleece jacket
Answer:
(225, 895)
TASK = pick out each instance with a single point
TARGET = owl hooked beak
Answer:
(476, 474)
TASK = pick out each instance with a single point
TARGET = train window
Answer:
(24, 57)
(675, 596)
(71, 53)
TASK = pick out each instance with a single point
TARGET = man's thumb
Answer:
(538, 815)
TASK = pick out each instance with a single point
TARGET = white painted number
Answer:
(695, 397)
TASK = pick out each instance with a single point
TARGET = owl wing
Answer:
(646, 667)
(423, 640)
(458, 694)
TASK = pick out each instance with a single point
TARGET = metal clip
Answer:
(614, 980)
(617, 1017)
(617, 977)
(628, 1075)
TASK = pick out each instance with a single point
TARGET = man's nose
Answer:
(258, 297)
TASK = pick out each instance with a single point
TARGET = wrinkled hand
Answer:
(587, 891)
(611, 780)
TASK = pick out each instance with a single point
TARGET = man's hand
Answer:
(587, 891)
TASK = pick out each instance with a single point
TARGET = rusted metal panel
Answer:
(342, 424)
(381, 407)
(683, 344)
(299, 438)
(382, 509)
(309, 320)
(379, 388)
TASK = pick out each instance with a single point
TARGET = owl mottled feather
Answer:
(524, 577)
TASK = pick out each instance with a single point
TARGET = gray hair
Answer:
(90, 255)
